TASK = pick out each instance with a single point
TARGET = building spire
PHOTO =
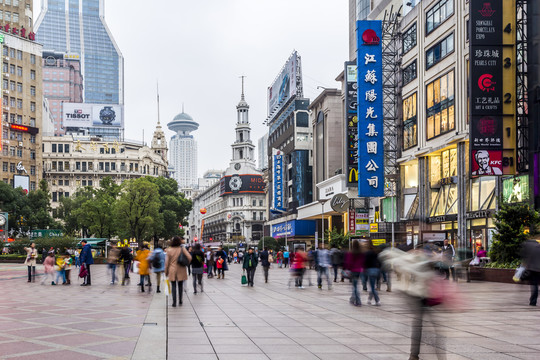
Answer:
(182, 107)
(242, 77)
(157, 84)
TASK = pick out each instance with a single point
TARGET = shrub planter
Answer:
(493, 274)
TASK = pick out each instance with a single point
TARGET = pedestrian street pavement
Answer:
(267, 321)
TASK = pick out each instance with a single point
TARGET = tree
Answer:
(337, 238)
(71, 214)
(137, 208)
(97, 212)
(511, 222)
(271, 243)
(174, 207)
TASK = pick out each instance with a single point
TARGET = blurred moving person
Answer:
(530, 254)
(157, 259)
(373, 268)
(144, 265)
(337, 257)
(126, 257)
(112, 260)
(354, 263)
(176, 273)
(322, 264)
(197, 267)
(250, 265)
(86, 259)
(210, 263)
(265, 262)
(48, 264)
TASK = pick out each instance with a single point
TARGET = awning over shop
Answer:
(94, 242)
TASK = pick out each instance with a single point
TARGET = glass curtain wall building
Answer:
(78, 27)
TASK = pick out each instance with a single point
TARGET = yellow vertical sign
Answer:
(509, 86)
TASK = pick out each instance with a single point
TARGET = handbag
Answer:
(136, 265)
(244, 278)
(521, 274)
(436, 291)
(83, 272)
(182, 259)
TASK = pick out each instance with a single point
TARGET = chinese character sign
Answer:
(370, 114)
(279, 194)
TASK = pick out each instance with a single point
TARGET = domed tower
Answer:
(183, 150)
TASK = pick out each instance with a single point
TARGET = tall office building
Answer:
(183, 150)
(79, 27)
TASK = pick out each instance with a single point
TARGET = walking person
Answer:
(197, 267)
(298, 266)
(126, 258)
(250, 265)
(175, 272)
(285, 258)
(60, 270)
(31, 260)
(221, 260)
(448, 254)
(209, 262)
(86, 260)
(530, 254)
(112, 260)
(354, 264)
(190, 251)
(337, 261)
(322, 264)
(264, 256)
(48, 264)
(279, 258)
(144, 265)
(68, 262)
(157, 259)
(373, 268)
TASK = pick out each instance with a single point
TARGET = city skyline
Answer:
(254, 45)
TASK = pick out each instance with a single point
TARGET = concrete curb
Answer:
(152, 343)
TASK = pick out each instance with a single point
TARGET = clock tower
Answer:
(243, 149)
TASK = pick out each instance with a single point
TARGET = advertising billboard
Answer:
(92, 115)
(284, 87)
(370, 109)
(22, 181)
(516, 189)
(245, 184)
(293, 228)
(351, 118)
(492, 80)
(278, 198)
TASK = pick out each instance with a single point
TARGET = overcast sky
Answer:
(198, 49)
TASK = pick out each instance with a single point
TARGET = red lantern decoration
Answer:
(203, 211)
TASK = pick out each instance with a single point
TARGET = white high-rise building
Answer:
(183, 151)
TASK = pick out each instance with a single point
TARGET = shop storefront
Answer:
(481, 207)
(294, 231)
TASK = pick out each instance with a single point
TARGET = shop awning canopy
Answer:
(95, 242)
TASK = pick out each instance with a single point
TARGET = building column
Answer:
(423, 195)
(462, 184)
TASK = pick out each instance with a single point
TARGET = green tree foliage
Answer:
(511, 222)
(337, 238)
(174, 207)
(27, 211)
(59, 244)
(271, 243)
(137, 209)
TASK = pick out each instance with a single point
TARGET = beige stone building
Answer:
(22, 105)
(73, 162)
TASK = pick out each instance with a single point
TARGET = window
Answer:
(12, 53)
(19, 87)
(32, 122)
(83, 182)
(5, 68)
(60, 182)
(19, 152)
(32, 185)
(33, 106)
(254, 215)
(5, 84)
(32, 59)
(7, 17)
(54, 196)
(32, 170)
(261, 215)
(11, 167)
(32, 155)
(440, 106)
(8, 2)
(438, 14)
(12, 102)
(89, 182)
(32, 138)
(90, 166)
(66, 182)
(409, 73)
(11, 151)
(12, 69)
(60, 148)
(32, 90)
(32, 74)
(66, 148)
(442, 166)
(19, 69)
(54, 165)
(409, 39)
(439, 51)
(19, 119)
(15, 17)
(53, 148)
(19, 103)
(19, 57)
(12, 85)
(5, 48)
(4, 166)
(254, 202)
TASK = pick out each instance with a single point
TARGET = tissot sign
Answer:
(92, 115)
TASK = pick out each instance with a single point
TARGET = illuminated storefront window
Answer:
(440, 106)
(443, 165)
(409, 122)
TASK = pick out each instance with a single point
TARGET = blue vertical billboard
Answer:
(370, 109)
(279, 193)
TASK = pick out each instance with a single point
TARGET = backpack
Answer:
(156, 261)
